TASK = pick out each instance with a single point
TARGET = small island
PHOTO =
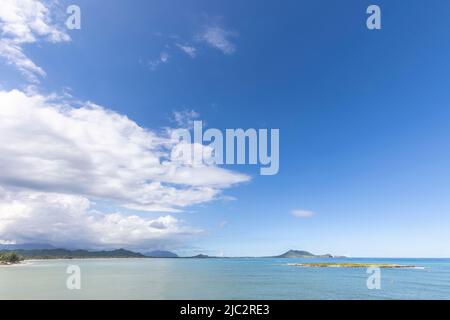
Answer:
(352, 265)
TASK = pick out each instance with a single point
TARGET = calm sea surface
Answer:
(236, 278)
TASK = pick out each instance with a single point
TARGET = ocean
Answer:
(228, 278)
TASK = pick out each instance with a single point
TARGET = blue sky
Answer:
(363, 115)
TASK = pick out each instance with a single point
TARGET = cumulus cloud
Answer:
(57, 157)
(50, 145)
(23, 22)
(68, 220)
(218, 38)
(298, 213)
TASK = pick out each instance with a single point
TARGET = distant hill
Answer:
(74, 254)
(160, 254)
(301, 254)
(201, 256)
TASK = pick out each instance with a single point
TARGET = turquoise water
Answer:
(240, 278)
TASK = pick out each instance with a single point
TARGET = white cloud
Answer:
(68, 220)
(50, 145)
(57, 158)
(218, 38)
(189, 50)
(6, 242)
(23, 22)
(302, 213)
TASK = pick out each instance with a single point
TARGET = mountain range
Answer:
(46, 251)
(73, 254)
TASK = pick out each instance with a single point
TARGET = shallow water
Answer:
(236, 278)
